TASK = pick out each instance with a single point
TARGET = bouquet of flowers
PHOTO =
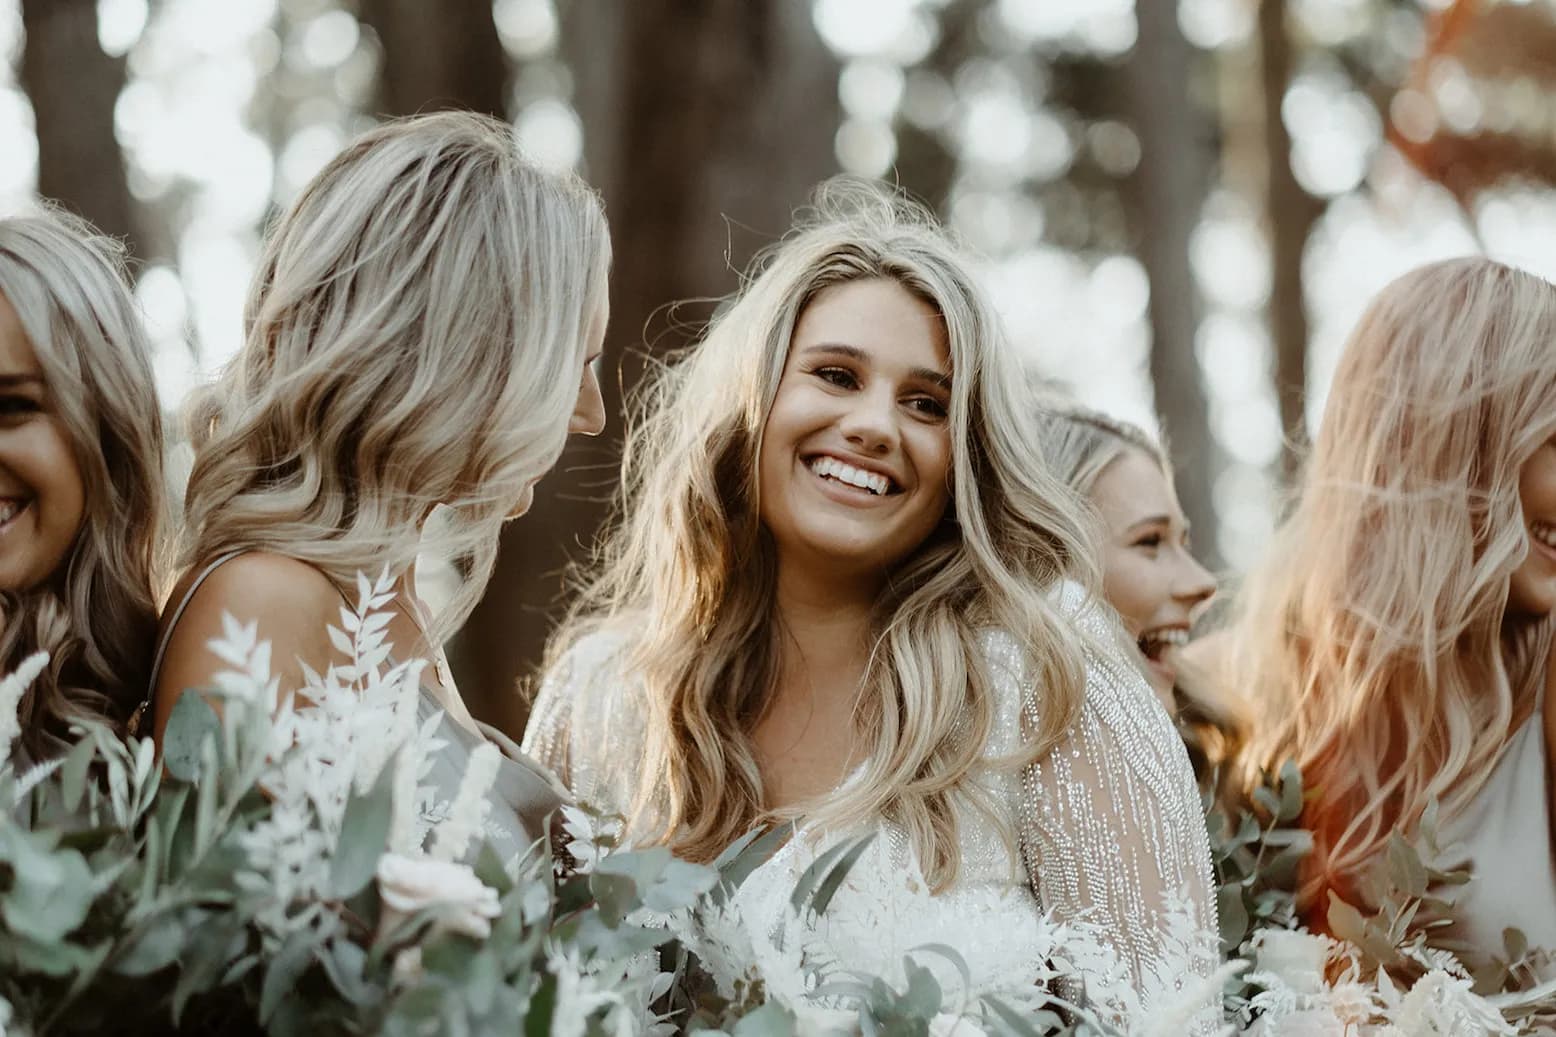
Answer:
(1380, 975)
(277, 874)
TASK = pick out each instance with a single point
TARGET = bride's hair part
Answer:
(97, 617)
(1375, 630)
(686, 576)
(414, 335)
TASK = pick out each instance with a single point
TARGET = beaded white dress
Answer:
(1107, 830)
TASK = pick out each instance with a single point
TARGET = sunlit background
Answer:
(229, 106)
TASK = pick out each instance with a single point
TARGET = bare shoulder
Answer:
(290, 601)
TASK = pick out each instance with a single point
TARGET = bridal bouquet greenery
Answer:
(279, 872)
(274, 878)
(1390, 973)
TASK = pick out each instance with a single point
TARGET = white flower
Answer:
(1440, 1004)
(408, 884)
(1296, 957)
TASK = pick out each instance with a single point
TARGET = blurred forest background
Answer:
(1180, 207)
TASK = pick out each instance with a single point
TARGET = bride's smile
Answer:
(856, 455)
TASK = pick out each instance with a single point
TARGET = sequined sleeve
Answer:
(582, 724)
(1112, 829)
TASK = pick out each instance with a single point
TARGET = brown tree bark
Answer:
(73, 87)
(706, 123)
(438, 55)
(1290, 213)
(1168, 190)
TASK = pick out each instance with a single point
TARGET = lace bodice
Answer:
(1107, 829)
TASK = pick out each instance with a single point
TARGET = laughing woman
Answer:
(81, 486)
(1148, 572)
(839, 595)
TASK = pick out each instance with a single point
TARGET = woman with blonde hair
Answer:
(1401, 628)
(840, 595)
(82, 498)
(1149, 574)
(419, 338)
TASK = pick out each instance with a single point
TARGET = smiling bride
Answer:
(841, 594)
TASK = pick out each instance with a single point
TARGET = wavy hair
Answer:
(1376, 627)
(687, 573)
(98, 616)
(413, 339)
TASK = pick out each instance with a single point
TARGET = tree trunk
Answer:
(1168, 192)
(73, 87)
(438, 55)
(1289, 214)
(706, 123)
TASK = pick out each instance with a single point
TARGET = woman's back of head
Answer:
(94, 609)
(413, 339)
(1378, 624)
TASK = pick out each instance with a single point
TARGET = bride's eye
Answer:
(841, 377)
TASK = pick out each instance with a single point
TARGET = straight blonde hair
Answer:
(414, 338)
(686, 576)
(98, 616)
(1377, 628)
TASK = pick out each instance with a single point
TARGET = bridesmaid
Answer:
(1149, 573)
(1402, 626)
(420, 334)
(82, 499)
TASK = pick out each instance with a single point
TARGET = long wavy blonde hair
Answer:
(687, 574)
(414, 337)
(1376, 628)
(98, 616)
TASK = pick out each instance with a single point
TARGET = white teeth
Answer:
(1175, 636)
(832, 468)
(1544, 533)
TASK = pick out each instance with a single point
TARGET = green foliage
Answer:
(1256, 854)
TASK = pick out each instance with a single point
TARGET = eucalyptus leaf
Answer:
(364, 836)
(73, 773)
(839, 872)
(189, 726)
(158, 946)
(283, 971)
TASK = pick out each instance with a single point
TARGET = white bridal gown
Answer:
(1108, 829)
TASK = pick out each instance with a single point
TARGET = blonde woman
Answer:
(838, 596)
(81, 490)
(1401, 628)
(419, 334)
(1149, 574)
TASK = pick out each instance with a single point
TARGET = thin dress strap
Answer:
(139, 716)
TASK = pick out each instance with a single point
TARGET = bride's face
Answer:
(855, 464)
(1532, 591)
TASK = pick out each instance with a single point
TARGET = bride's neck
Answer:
(824, 624)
